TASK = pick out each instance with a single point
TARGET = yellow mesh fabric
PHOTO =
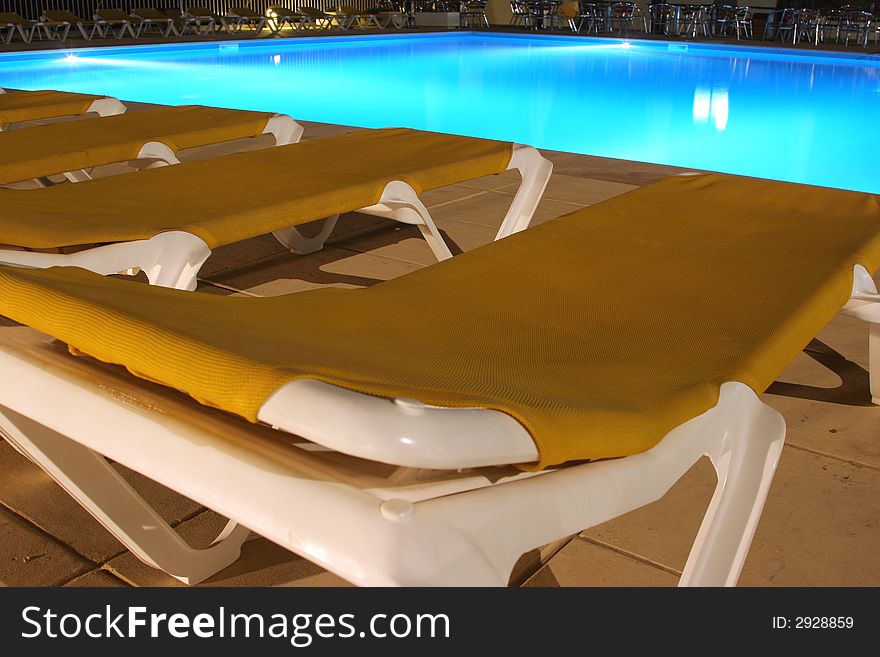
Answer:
(16, 106)
(60, 147)
(230, 198)
(11, 18)
(64, 16)
(599, 331)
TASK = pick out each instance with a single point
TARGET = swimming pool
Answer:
(799, 116)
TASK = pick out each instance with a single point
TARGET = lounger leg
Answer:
(535, 171)
(745, 461)
(401, 203)
(106, 107)
(80, 175)
(474, 547)
(152, 150)
(299, 244)
(874, 361)
(170, 259)
(172, 266)
(99, 488)
(865, 304)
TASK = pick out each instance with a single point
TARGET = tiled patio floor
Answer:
(820, 527)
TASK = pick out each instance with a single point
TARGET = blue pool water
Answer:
(803, 116)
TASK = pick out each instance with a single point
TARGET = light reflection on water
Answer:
(806, 118)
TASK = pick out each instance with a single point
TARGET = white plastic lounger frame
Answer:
(400, 202)
(281, 126)
(153, 18)
(113, 23)
(251, 20)
(467, 529)
(356, 21)
(207, 23)
(396, 19)
(413, 526)
(865, 304)
(173, 258)
(26, 35)
(170, 259)
(280, 16)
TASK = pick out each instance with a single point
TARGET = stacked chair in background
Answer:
(240, 20)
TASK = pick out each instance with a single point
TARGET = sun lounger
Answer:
(165, 25)
(117, 23)
(164, 222)
(390, 18)
(279, 16)
(241, 17)
(20, 106)
(12, 24)
(61, 22)
(206, 21)
(156, 134)
(320, 19)
(57, 25)
(432, 428)
(350, 18)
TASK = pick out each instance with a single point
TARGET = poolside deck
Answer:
(819, 528)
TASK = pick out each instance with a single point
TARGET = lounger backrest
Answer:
(284, 12)
(244, 12)
(569, 9)
(149, 13)
(12, 18)
(281, 10)
(61, 16)
(312, 12)
(111, 15)
(201, 12)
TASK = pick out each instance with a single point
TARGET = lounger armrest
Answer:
(284, 129)
(399, 431)
(287, 503)
(169, 259)
(864, 304)
(107, 107)
(535, 170)
(865, 301)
